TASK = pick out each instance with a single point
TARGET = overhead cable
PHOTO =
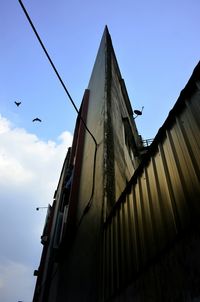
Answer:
(55, 70)
(89, 203)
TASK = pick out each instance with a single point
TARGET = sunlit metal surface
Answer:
(161, 201)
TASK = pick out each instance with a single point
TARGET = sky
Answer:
(157, 47)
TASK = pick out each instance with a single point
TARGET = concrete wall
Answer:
(100, 174)
(78, 272)
(122, 117)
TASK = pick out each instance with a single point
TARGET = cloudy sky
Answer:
(157, 47)
(29, 171)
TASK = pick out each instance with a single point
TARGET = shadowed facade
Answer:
(124, 214)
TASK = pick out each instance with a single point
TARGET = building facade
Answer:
(124, 215)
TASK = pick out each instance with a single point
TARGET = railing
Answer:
(147, 142)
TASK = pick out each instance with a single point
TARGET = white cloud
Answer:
(15, 276)
(29, 173)
(4, 125)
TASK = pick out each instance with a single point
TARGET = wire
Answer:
(55, 70)
(72, 102)
(88, 205)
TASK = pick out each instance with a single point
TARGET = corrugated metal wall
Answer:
(161, 202)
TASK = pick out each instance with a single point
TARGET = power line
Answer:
(89, 203)
(56, 71)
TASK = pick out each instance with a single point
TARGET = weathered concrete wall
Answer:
(113, 167)
(125, 165)
(78, 274)
(74, 266)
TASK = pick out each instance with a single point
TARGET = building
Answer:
(124, 223)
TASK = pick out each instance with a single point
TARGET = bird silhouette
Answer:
(36, 120)
(17, 103)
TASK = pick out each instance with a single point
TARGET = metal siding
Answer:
(149, 214)
(136, 234)
(129, 261)
(177, 180)
(162, 202)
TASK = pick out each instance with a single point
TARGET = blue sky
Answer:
(157, 47)
(156, 44)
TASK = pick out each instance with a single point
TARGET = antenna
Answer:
(137, 112)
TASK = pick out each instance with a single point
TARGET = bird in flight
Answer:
(17, 103)
(36, 120)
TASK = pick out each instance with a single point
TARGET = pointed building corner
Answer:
(122, 218)
(90, 183)
(106, 30)
(108, 36)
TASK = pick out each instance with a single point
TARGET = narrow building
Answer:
(125, 217)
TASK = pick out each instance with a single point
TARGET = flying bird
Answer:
(17, 103)
(36, 120)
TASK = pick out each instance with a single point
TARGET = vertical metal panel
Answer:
(156, 206)
(151, 227)
(175, 175)
(129, 246)
(141, 226)
(168, 190)
(134, 230)
(121, 246)
(123, 243)
(116, 252)
(163, 201)
(132, 252)
(111, 258)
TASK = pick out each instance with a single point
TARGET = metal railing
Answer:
(147, 142)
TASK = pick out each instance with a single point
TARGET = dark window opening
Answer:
(129, 139)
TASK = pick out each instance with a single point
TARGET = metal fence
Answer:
(161, 201)
(147, 142)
